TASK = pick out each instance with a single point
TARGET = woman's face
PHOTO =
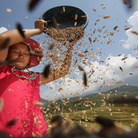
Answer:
(21, 52)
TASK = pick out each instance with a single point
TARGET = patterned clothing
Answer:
(20, 96)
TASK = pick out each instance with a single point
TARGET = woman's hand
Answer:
(40, 24)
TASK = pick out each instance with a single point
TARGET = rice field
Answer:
(123, 115)
(84, 110)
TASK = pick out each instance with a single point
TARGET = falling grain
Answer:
(1, 104)
(36, 53)
(5, 44)
(39, 103)
(76, 16)
(125, 2)
(124, 58)
(80, 68)
(94, 10)
(111, 85)
(32, 4)
(90, 40)
(115, 28)
(121, 69)
(8, 10)
(84, 78)
(9, 62)
(64, 9)
(81, 55)
(11, 122)
(20, 29)
(75, 24)
(106, 17)
(83, 16)
(105, 121)
(46, 71)
(134, 32)
(51, 46)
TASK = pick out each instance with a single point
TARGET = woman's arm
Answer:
(58, 73)
(15, 37)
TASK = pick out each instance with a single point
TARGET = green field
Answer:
(83, 110)
(121, 114)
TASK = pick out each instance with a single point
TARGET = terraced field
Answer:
(121, 114)
(83, 110)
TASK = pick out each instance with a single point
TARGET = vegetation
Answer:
(83, 110)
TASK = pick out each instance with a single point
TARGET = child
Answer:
(21, 115)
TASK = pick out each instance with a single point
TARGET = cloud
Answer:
(114, 71)
(131, 42)
(123, 64)
(3, 29)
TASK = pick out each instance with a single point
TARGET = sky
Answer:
(112, 57)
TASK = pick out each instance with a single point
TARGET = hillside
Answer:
(83, 110)
(126, 89)
(45, 102)
(96, 100)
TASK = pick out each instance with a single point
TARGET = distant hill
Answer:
(129, 89)
(122, 90)
(46, 103)
(87, 101)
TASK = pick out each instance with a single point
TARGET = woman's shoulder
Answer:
(5, 68)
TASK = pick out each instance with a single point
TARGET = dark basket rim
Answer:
(84, 25)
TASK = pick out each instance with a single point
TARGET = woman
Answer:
(21, 115)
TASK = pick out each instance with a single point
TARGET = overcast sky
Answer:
(112, 59)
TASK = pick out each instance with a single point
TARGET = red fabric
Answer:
(35, 46)
(19, 95)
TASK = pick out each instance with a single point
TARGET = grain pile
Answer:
(67, 34)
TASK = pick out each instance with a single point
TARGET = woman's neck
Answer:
(20, 68)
